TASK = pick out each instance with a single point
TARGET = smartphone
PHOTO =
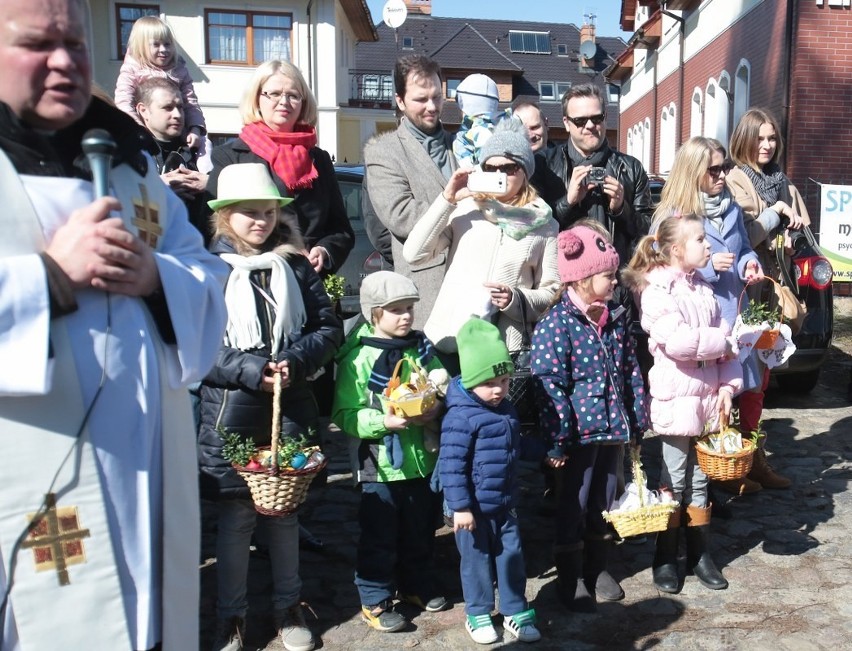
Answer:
(487, 182)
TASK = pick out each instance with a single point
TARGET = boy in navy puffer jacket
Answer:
(480, 441)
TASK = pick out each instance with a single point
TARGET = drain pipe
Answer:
(683, 103)
(789, 34)
(310, 47)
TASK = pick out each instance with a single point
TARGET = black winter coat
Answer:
(322, 215)
(231, 397)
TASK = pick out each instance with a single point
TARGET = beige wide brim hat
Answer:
(246, 182)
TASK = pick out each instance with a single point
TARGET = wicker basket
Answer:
(648, 518)
(422, 394)
(278, 491)
(769, 337)
(722, 466)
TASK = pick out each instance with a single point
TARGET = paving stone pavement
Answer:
(785, 553)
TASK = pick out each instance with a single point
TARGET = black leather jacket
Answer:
(231, 397)
(551, 177)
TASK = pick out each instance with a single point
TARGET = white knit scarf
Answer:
(284, 295)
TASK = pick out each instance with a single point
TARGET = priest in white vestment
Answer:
(108, 309)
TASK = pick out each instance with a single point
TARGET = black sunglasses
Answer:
(509, 169)
(716, 170)
(581, 122)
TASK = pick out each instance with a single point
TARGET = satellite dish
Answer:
(394, 13)
(588, 49)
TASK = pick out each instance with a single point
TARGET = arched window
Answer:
(696, 113)
(668, 133)
(630, 145)
(742, 89)
(646, 145)
(711, 103)
(723, 109)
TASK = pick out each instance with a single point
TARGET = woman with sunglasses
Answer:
(697, 185)
(279, 114)
(772, 207)
(502, 248)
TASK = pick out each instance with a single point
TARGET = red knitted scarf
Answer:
(287, 153)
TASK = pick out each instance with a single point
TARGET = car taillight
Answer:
(815, 271)
(372, 263)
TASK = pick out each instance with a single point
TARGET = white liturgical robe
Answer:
(140, 429)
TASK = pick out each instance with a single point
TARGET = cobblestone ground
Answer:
(785, 553)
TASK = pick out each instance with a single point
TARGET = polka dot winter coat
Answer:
(590, 389)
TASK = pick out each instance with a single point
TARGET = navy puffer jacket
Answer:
(479, 453)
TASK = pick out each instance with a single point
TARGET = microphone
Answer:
(99, 147)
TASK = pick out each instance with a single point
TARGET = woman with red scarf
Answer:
(279, 112)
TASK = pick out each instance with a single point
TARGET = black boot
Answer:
(664, 567)
(599, 582)
(569, 580)
(698, 559)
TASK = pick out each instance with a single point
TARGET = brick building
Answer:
(693, 67)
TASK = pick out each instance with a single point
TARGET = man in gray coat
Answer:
(408, 168)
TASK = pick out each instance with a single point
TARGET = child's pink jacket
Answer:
(687, 339)
(132, 73)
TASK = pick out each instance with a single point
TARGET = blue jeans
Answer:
(397, 521)
(237, 522)
(494, 543)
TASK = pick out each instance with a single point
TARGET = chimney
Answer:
(588, 48)
(423, 7)
(587, 33)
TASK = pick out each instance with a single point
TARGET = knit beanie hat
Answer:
(511, 140)
(477, 95)
(482, 353)
(583, 252)
(382, 288)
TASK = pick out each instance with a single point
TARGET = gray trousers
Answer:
(681, 472)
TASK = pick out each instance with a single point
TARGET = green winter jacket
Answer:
(358, 412)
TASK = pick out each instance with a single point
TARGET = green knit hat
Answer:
(482, 353)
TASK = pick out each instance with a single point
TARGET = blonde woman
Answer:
(279, 114)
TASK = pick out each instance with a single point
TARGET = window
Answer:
(452, 84)
(742, 90)
(668, 135)
(562, 87)
(646, 144)
(125, 16)
(695, 114)
(247, 38)
(613, 93)
(562, 50)
(529, 42)
(407, 42)
(546, 90)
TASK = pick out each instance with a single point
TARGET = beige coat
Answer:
(403, 181)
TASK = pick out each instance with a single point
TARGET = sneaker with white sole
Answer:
(481, 629)
(229, 634)
(521, 626)
(292, 629)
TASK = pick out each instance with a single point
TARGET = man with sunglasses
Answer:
(621, 200)
(159, 104)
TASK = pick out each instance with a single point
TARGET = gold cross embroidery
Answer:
(56, 539)
(147, 219)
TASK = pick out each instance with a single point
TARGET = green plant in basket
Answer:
(292, 453)
(756, 314)
(334, 286)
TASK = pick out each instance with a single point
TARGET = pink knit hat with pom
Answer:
(582, 253)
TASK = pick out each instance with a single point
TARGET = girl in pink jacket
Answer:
(694, 377)
(151, 52)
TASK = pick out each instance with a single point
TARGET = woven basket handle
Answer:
(276, 422)
(638, 475)
(780, 294)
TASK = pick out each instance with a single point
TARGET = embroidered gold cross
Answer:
(147, 218)
(57, 539)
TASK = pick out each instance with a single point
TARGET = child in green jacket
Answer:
(398, 509)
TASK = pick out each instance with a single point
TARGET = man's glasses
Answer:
(717, 170)
(581, 122)
(289, 98)
(509, 169)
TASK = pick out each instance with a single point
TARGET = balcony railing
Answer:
(371, 90)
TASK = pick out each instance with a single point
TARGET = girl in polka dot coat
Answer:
(592, 402)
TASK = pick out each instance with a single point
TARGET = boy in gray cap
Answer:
(391, 463)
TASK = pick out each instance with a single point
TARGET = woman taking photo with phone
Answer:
(502, 247)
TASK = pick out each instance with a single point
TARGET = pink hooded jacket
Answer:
(132, 73)
(687, 339)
